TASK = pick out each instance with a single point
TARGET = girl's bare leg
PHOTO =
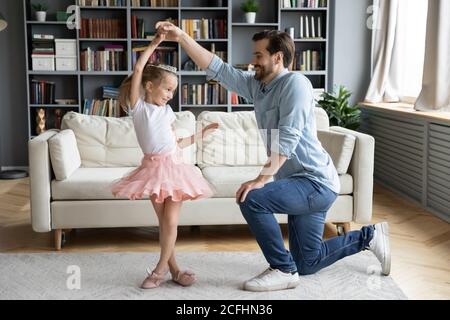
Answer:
(159, 209)
(168, 233)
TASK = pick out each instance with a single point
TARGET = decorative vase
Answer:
(250, 17)
(41, 16)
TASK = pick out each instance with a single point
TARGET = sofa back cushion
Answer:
(238, 141)
(322, 120)
(339, 146)
(112, 142)
(64, 154)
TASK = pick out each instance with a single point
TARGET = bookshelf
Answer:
(122, 29)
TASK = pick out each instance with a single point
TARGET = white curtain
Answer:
(385, 53)
(435, 95)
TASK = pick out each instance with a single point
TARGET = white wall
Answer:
(350, 45)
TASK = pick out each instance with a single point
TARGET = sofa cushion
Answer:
(227, 180)
(238, 141)
(112, 142)
(64, 154)
(322, 120)
(339, 146)
(89, 184)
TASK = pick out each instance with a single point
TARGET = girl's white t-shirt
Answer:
(153, 126)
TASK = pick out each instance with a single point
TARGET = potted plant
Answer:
(41, 11)
(338, 109)
(250, 8)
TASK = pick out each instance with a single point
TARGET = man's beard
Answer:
(263, 72)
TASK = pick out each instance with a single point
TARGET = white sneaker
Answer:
(379, 245)
(272, 279)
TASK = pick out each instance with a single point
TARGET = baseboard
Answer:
(14, 168)
(440, 215)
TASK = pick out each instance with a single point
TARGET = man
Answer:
(306, 182)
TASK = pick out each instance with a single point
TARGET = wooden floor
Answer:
(420, 242)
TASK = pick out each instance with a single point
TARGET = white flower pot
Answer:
(250, 17)
(41, 16)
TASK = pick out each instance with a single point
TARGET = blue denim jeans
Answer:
(306, 203)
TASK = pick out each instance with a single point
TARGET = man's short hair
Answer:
(278, 41)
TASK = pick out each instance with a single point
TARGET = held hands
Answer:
(170, 31)
(159, 37)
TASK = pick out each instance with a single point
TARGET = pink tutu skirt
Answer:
(163, 176)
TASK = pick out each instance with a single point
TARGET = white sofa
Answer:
(71, 171)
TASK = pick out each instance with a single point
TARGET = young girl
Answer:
(162, 175)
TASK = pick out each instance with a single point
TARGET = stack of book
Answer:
(205, 28)
(111, 58)
(43, 44)
(42, 92)
(110, 92)
(190, 66)
(203, 94)
(164, 55)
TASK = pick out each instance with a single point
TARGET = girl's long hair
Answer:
(152, 72)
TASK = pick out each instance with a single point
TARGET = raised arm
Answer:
(230, 78)
(136, 78)
(196, 52)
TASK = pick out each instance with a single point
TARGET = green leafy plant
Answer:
(39, 7)
(250, 6)
(338, 109)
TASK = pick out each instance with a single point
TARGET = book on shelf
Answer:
(111, 57)
(102, 28)
(313, 4)
(42, 92)
(165, 55)
(104, 108)
(138, 28)
(311, 27)
(102, 3)
(236, 99)
(205, 28)
(203, 94)
(154, 3)
(309, 60)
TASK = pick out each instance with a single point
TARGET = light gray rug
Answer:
(220, 275)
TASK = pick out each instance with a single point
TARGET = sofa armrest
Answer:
(361, 168)
(40, 181)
